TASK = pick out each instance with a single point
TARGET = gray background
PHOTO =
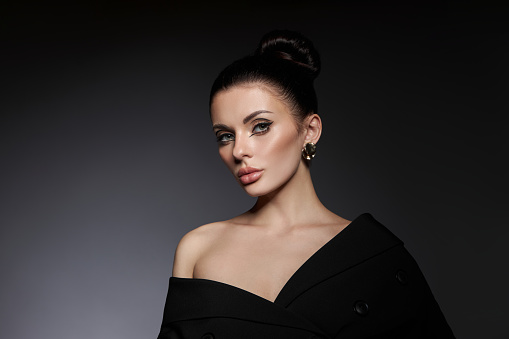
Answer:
(108, 157)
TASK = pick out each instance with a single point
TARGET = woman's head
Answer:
(263, 110)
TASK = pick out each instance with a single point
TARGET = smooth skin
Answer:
(259, 250)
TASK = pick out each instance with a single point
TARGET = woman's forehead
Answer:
(237, 102)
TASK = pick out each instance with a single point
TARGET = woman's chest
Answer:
(260, 266)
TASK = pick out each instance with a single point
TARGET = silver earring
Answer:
(309, 150)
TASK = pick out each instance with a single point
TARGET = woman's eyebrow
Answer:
(221, 127)
(245, 120)
(252, 115)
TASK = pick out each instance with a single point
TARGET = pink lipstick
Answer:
(248, 175)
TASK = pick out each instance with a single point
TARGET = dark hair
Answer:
(284, 60)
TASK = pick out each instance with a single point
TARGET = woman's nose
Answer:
(242, 147)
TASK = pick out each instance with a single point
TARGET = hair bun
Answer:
(292, 46)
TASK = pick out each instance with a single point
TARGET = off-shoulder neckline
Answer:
(316, 253)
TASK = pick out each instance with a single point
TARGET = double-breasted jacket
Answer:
(362, 284)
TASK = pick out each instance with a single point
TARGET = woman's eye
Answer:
(225, 137)
(261, 127)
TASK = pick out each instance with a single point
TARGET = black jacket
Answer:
(361, 284)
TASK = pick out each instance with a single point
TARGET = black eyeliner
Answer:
(268, 123)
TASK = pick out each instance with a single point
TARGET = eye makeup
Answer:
(221, 138)
(262, 127)
(259, 129)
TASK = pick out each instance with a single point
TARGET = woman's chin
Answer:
(253, 191)
(258, 191)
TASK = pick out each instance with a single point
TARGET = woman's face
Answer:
(257, 137)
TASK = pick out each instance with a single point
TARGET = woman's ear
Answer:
(312, 128)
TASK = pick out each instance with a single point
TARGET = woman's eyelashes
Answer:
(261, 128)
(225, 138)
(258, 129)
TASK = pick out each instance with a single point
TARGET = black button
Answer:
(207, 336)
(361, 308)
(402, 277)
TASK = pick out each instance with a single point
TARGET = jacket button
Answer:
(402, 277)
(361, 308)
(207, 336)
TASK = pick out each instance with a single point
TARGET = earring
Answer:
(309, 150)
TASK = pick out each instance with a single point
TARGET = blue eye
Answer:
(225, 138)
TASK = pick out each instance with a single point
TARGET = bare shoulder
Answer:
(192, 245)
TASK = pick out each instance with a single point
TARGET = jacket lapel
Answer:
(201, 298)
(362, 239)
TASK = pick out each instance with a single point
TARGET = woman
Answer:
(288, 267)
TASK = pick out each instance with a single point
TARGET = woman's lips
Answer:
(249, 175)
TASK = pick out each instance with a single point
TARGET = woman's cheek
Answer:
(282, 153)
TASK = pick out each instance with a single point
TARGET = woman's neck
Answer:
(293, 204)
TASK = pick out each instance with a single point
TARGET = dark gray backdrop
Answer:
(108, 156)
